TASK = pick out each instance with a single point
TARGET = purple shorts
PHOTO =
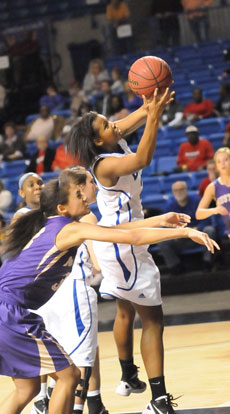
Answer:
(27, 350)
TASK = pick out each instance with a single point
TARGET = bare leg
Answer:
(152, 350)
(123, 329)
(95, 379)
(62, 398)
(26, 390)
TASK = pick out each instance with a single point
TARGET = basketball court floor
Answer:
(197, 357)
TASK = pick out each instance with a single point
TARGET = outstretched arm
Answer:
(164, 220)
(75, 233)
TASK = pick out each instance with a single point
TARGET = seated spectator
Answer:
(194, 154)
(117, 81)
(6, 198)
(102, 103)
(92, 80)
(42, 160)
(183, 202)
(131, 101)
(63, 159)
(226, 141)
(212, 175)
(173, 114)
(118, 111)
(199, 109)
(117, 14)
(223, 104)
(76, 95)
(45, 124)
(52, 99)
(11, 145)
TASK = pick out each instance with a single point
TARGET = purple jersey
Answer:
(222, 194)
(32, 277)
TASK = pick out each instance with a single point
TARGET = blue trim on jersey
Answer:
(125, 270)
(129, 210)
(78, 320)
(108, 294)
(90, 310)
(135, 278)
(116, 191)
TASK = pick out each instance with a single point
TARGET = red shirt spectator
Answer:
(200, 108)
(212, 175)
(194, 154)
(63, 159)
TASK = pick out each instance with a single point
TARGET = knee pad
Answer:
(84, 382)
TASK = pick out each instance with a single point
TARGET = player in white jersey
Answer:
(130, 275)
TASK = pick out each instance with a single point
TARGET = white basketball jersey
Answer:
(121, 203)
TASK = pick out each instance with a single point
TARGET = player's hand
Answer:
(203, 238)
(156, 104)
(175, 220)
(221, 210)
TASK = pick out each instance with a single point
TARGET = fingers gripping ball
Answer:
(148, 73)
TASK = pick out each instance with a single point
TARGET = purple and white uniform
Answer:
(222, 194)
(27, 281)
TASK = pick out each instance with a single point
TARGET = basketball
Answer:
(148, 73)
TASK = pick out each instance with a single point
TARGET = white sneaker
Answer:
(133, 386)
(161, 405)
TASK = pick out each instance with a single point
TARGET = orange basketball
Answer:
(149, 73)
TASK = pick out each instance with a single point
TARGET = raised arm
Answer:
(203, 211)
(113, 167)
(75, 233)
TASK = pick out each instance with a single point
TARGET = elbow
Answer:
(197, 215)
(136, 239)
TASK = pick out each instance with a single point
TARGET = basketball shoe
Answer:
(131, 385)
(49, 392)
(40, 406)
(161, 405)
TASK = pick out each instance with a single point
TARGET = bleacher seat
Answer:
(150, 169)
(47, 176)
(166, 163)
(154, 201)
(151, 185)
(167, 181)
(163, 148)
(174, 133)
(13, 168)
(208, 126)
(197, 177)
(216, 140)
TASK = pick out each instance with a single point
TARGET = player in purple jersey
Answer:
(218, 190)
(41, 247)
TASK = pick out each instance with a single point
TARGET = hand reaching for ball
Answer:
(156, 104)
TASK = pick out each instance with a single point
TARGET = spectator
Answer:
(173, 114)
(183, 202)
(52, 99)
(96, 73)
(117, 14)
(42, 159)
(45, 124)
(76, 95)
(118, 111)
(63, 159)
(212, 175)
(117, 81)
(168, 22)
(6, 198)
(195, 153)
(11, 145)
(197, 15)
(226, 141)
(223, 103)
(198, 109)
(131, 101)
(2, 103)
(102, 103)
